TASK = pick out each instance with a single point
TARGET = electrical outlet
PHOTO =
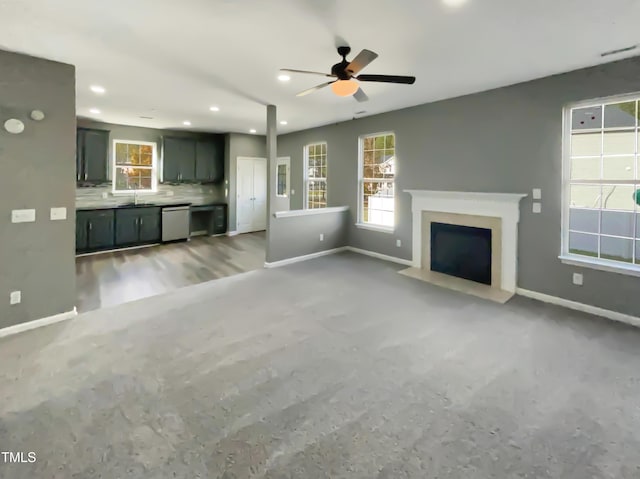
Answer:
(321, 236)
(15, 297)
(537, 207)
(578, 279)
(537, 194)
(293, 192)
(398, 243)
(105, 195)
(169, 193)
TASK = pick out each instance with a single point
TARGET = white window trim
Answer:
(154, 168)
(360, 223)
(565, 256)
(305, 195)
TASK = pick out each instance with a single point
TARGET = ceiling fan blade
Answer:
(362, 60)
(360, 95)
(387, 79)
(307, 72)
(315, 88)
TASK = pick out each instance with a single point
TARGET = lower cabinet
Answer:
(94, 230)
(137, 226)
(219, 220)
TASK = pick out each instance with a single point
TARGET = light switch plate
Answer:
(398, 243)
(15, 297)
(578, 279)
(23, 216)
(537, 207)
(58, 214)
(321, 236)
(537, 194)
(293, 192)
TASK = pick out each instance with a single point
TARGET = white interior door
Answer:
(251, 201)
(282, 184)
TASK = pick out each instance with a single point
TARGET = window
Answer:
(377, 165)
(601, 183)
(315, 166)
(134, 166)
(282, 177)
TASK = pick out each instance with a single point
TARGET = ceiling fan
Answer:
(346, 71)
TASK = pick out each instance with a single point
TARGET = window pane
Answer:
(586, 118)
(585, 196)
(379, 203)
(323, 148)
(619, 142)
(586, 144)
(618, 167)
(617, 223)
(379, 143)
(390, 141)
(368, 158)
(618, 197)
(620, 115)
(637, 252)
(128, 178)
(317, 194)
(617, 249)
(282, 180)
(368, 143)
(585, 168)
(584, 244)
(121, 153)
(584, 220)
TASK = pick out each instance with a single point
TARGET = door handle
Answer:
(85, 176)
(140, 221)
(90, 226)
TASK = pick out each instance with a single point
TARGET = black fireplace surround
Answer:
(461, 251)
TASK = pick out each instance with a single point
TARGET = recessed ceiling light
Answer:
(252, 130)
(97, 89)
(284, 77)
(95, 111)
(283, 122)
(454, 3)
(186, 123)
(214, 108)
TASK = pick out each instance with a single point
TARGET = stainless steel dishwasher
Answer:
(175, 223)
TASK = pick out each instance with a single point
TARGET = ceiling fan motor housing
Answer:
(340, 69)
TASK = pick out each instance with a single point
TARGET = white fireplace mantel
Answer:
(505, 206)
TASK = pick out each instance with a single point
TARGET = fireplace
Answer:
(466, 241)
(462, 251)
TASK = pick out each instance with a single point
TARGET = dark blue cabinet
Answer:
(94, 230)
(137, 226)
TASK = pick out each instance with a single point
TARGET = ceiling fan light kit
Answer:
(345, 72)
(344, 87)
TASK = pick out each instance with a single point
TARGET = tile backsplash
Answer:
(101, 196)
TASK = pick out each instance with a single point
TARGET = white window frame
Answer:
(308, 179)
(573, 259)
(153, 168)
(285, 161)
(360, 221)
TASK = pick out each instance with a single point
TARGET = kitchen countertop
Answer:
(145, 205)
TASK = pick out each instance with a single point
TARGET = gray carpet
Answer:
(332, 368)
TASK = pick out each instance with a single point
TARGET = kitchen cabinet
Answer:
(193, 160)
(92, 147)
(209, 161)
(214, 217)
(137, 226)
(179, 158)
(94, 230)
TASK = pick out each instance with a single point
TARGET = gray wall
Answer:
(300, 235)
(504, 140)
(237, 144)
(38, 171)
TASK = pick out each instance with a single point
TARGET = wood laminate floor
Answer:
(110, 279)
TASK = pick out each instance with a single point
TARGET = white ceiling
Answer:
(173, 59)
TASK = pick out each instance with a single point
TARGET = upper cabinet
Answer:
(189, 160)
(92, 147)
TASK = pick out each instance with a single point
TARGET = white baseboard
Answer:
(306, 257)
(373, 254)
(232, 233)
(37, 323)
(585, 308)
